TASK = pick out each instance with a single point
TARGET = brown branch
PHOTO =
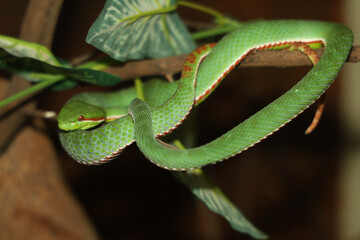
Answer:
(172, 65)
(354, 54)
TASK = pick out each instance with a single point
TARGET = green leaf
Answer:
(36, 63)
(20, 48)
(137, 29)
(216, 201)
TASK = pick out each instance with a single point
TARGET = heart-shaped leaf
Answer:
(137, 29)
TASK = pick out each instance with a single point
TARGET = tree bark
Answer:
(34, 200)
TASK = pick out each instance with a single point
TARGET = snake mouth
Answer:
(65, 126)
(75, 126)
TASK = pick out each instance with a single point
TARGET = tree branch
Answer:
(172, 65)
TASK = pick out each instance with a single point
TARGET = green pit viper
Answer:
(129, 119)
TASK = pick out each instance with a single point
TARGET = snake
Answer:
(97, 127)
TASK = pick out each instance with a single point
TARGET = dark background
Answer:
(286, 185)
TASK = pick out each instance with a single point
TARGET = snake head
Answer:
(78, 115)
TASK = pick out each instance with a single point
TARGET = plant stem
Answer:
(219, 16)
(30, 90)
(224, 24)
(139, 89)
(213, 32)
(98, 65)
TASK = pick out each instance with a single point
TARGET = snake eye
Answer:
(81, 118)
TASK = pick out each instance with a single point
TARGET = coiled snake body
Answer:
(167, 104)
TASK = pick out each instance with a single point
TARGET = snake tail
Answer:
(337, 40)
